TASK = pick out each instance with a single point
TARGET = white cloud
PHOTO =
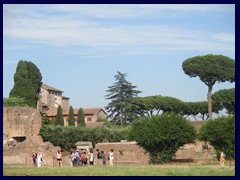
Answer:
(104, 36)
(225, 37)
(137, 10)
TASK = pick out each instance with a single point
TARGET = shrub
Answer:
(162, 135)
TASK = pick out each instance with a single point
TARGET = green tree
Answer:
(121, 94)
(220, 133)
(71, 120)
(27, 82)
(59, 119)
(14, 101)
(34, 75)
(162, 135)
(23, 86)
(45, 119)
(81, 117)
(199, 108)
(154, 105)
(210, 69)
(225, 98)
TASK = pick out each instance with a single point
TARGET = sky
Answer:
(79, 48)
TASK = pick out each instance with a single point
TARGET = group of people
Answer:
(82, 157)
(37, 159)
(102, 158)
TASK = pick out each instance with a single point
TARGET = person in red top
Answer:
(59, 158)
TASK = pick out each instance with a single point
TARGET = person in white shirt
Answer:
(111, 157)
(39, 159)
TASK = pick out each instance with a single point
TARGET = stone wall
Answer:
(21, 122)
(124, 152)
(130, 152)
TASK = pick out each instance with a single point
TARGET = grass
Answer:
(136, 170)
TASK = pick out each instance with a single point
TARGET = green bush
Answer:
(162, 135)
(220, 133)
(66, 137)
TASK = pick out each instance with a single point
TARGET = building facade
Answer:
(51, 98)
(91, 115)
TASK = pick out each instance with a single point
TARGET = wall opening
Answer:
(19, 139)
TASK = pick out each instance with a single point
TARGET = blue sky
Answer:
(79, 48)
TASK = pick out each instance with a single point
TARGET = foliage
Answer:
(35, 76)
(162, 135)
(81, 117)
(120, 94)
(225, 98)
(59, 119)
(220, 133)
(45, 119)
(27, 82)
(196, 108)
(66, 137)
(71, 120)
(14, 101)
(210, 69)
(99, 119)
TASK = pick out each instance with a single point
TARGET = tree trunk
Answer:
(210, 101)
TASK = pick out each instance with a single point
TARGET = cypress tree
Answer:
(23, 86)
(27, 83)
(71, 120)
(59, 118)
(81, 117)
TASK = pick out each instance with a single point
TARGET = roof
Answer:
(86, 111)
(47, 87)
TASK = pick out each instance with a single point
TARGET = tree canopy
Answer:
(225, 98)
(210, 69)
(121, 94)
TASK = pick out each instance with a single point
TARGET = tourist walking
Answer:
(99, 157)
(59, 158)
(103, 158)
(91, 159)
(111, 157)
(222, 158)
(34, 158)
(71, 159)
(39, 159)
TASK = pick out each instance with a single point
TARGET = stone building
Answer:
(51, 98)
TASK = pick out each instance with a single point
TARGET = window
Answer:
(89, 119)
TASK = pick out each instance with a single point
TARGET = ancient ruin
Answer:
(21, 126)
